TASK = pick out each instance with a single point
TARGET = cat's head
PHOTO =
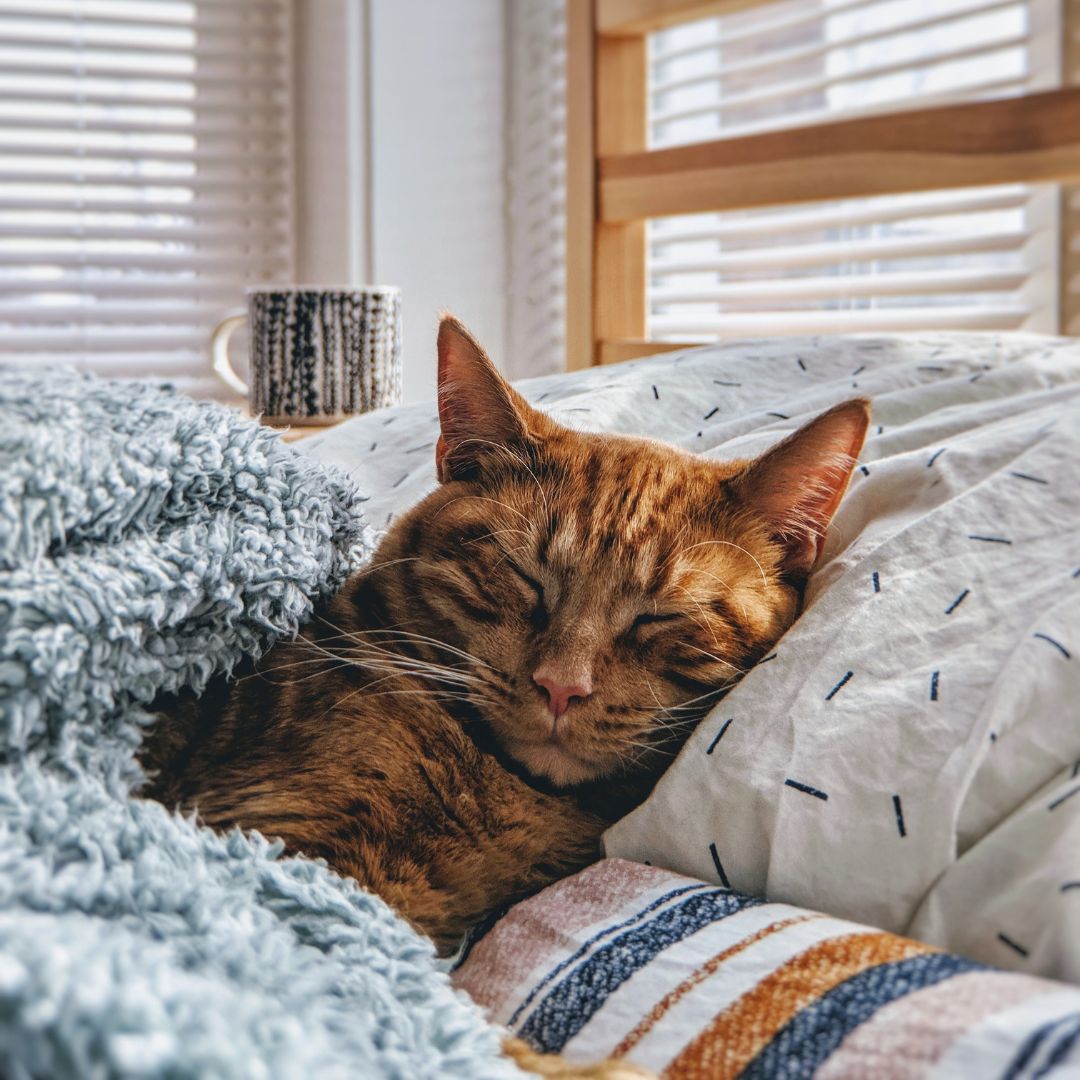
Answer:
(601, 590)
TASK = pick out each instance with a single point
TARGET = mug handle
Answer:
(219, 349)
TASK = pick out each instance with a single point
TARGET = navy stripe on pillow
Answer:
(573, 1002)
(807, 1040)
(599, 936)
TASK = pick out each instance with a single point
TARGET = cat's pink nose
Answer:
(563, 688)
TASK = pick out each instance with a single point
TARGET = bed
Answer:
(905, 763)
(863, 862)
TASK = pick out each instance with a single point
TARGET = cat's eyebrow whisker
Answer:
(497, 532)
(703, 625)
(723, 543)
(483, 498)
(516, 459)
(507, 552)
(723, 584)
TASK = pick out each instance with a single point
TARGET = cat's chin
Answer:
(553, 762)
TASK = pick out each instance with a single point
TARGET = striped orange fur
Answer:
(526, 650)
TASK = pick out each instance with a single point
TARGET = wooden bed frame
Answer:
(614, 183)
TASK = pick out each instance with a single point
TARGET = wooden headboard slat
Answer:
(1021, 139)
(636, 17)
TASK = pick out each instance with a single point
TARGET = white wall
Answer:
(437, 169)
(400, 130)
(330, 138)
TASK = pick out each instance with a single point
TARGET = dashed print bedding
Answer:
(696, 982)
(909, 757)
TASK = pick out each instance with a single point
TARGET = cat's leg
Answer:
(557, 1068)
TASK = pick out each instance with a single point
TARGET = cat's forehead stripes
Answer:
(608, 495)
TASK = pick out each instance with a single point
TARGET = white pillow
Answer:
(911, 755)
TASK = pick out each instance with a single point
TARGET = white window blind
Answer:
(983, 258)
(536, 187)
(144, 178)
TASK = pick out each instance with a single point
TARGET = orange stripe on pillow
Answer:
(660, 1009)
(739, 1033)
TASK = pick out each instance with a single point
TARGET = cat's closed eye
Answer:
(531, 582)
(647, 618)
(539, 616)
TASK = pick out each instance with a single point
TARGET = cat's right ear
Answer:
(798, 484)
(479, 412)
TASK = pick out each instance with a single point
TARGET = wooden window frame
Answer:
(614, 183)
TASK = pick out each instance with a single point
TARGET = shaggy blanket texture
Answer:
(147, 543)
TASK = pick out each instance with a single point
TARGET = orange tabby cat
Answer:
(525, 651)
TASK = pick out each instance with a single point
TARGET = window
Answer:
(144, 178)
(983, 258)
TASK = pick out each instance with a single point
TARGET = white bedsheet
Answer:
(934, 790)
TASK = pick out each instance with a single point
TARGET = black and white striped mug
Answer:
(316, 354)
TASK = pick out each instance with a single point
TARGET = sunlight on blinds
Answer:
(971, 259)
(144, 178)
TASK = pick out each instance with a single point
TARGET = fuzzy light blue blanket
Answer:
(147, 543)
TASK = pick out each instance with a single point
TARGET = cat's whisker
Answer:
(372, 567)
(337, 704)
(261, 672)
(443, 696)
(264, 675)
(418, 668)
(366, 691)
(713, 656)
(652, 691)
(387, 678)
(368, 648)
(313, 646)
(386, 658)
(375, 658)
(407, 635)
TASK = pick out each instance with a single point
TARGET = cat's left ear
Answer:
(480, 413)
(798, 484)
